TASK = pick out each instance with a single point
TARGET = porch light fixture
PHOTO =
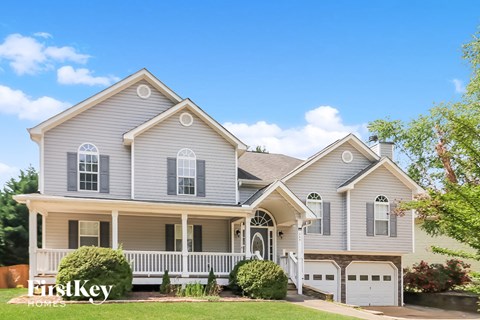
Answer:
(237, 232)
(280, 234)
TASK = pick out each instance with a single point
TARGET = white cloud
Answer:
(44, 35)
(323, 126)
(16, 102)
(459, 86)
(28, 55)
(69, 75)
(7, 172)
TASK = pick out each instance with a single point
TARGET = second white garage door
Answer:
(371, 284)
(322, 275)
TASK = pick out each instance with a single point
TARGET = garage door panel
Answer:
(322, 275)
(370, 284)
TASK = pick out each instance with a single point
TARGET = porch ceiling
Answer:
(283, 212)
(44, 204)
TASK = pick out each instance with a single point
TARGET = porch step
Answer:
(291, 287)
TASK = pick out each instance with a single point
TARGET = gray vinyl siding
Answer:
(57, 227)
(379, 182)
(153, 147)
(324, 177)
(246, 192)
(104, 126)
(423, 251)
(140, 232)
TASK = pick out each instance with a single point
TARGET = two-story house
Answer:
(140, 168)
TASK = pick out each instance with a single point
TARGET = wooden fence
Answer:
(13, 276)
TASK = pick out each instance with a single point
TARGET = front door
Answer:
(260, 241)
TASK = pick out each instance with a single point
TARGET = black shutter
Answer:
(104, 174)
(393, 220)
(105, 234)
(370, 219)
(169, 237)
(200, 178)
(197, 238)
(72, 234)
(326, 218)
(171, 176)
(71, 171)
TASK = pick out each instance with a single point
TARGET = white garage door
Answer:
(371, 284)
(322, 275)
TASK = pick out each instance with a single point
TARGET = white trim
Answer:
(194, 194)
(351, 138)
(360, 253)
(288, 195)
(91, 172)
(149, 93)
(115, 229)
(44, 231)
(349, 223)
(267, 249)
(144, 74)
(401, 281)
(273, 229)
(394, 169)
(247, 240)
(395, 280)
(185, 104)
(42, 166)
(79, 234)
(345, 154)
(375, 202)
(237, 192)
(232, 236)
(339, 276)
(317, 218)
(32, 243)
(184, 123)
(132, 171)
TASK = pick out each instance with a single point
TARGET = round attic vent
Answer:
(143, 91)
(347, 156)
(186, 119)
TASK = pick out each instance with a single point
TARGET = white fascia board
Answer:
(186, 103)
(71, 112)
(356, 142)
(394, 169)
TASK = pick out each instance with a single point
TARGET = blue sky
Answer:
(290, 75)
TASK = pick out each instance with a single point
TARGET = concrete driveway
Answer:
(419, 312)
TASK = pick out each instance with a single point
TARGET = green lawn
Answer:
(178, 310)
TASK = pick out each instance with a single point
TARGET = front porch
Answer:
(187, 240)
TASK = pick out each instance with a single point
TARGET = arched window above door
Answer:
(262, 219)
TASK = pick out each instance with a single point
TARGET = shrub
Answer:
(426, 277)
(100, 266)
(212, 288)
(262, 279)
(192, 290)
(232, 277)
(165, 287)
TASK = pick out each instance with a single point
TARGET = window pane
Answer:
(381, 228)
(316, 226)
(89, 228)
(88, 241)
(376, 278)
(306, 277)
(317, 277)
(178, 245)
(387, 278)
(330, 277)
(381, 211)
(352, 277)
(363, 277)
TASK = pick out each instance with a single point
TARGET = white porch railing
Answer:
(221, 263)
(154, 262)
(48, 260)
(292, 267)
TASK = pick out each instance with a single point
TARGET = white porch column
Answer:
(184, 245)
(300, 257)
(32, 243)
(115, 229)
(248, 253)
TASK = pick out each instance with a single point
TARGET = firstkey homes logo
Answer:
(76, 288)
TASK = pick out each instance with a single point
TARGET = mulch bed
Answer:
(140, 296)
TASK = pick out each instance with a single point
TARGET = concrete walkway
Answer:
(389, 313)
(332, 307)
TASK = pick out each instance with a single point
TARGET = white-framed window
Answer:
(89, 233)
(314, 203)
(382, 217)
(186, 172)
(88, 167)
(178, 237)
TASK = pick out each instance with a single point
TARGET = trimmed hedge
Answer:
(232, 277)
(262, 279)
(101, 266)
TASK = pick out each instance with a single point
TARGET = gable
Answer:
(37, 131)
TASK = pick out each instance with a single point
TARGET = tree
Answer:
(14, 218)
(260, 149)
(442, 153)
